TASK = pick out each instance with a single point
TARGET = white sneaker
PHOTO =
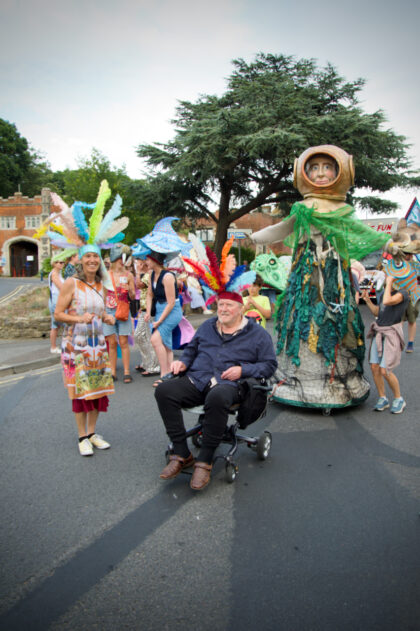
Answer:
(55, 350)
(85, 448)
(98, 442)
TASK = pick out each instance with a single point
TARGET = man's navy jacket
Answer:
(209, 355)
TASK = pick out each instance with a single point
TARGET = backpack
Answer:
(253, 401)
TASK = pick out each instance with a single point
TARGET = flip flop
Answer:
(157, 382)
(139, 368)
(127, 379)
(148, 374)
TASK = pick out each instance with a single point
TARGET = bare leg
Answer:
(125, 353)
(81, 423)
(53, 338)
(112, 344)
(411, 328)
(161, 353)
(92, 417)
(378, 378)
(392, 382)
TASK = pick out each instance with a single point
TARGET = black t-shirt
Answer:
(392, 314)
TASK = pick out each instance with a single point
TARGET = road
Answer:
(8, 285)
(324, 535)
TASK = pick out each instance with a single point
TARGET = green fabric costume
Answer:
(321, 334)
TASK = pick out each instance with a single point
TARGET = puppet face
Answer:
(272, 269)
(321, 169)
(325, 171)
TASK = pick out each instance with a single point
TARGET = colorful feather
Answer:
(58, 240)
(98, 211)
(237, 272)
(57, 201)
(117, 239)
(223, 260)
(113, 213)
(80, 222)
(199, 248)
(214, 267)
(199, 269)
(67, 223)
(56, 228)
(43, 229)
(117, 226)
(241, 282)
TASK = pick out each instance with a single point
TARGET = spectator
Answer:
(162, 294)
(256, 306)
(118, 332)
(70, 269)
(387, 343)
(55, 282)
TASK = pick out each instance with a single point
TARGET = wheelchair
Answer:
(232, 436)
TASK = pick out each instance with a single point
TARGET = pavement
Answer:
(20, 355)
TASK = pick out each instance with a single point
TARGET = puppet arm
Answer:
(275, 233)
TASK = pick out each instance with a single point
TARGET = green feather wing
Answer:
(98, 211)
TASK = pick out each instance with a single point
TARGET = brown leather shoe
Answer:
(201, 475)
(175, 466)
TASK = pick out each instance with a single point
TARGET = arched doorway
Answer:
(23, 258)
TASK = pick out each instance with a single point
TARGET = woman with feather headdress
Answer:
(81, 307)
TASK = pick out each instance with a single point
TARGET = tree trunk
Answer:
(224, 220)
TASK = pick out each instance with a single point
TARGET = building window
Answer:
(206, 235)
(32, 221)
(8, 223)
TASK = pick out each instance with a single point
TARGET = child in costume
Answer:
(321, 335)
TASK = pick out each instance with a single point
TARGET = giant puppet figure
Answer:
(320, 330)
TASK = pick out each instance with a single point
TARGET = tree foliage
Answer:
(21, 167)
(235, 152)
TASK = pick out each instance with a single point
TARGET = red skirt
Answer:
(81, 405)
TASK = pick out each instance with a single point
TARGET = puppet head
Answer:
(335, 189)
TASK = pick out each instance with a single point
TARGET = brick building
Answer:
(20, 218)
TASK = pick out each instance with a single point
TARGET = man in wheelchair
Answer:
(224, 349)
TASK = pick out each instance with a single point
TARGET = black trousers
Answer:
(177, 393)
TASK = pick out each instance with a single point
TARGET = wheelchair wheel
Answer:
(231, 471)
(264, 446)
(197, 439)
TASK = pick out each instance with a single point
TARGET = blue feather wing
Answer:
(79, 219)
(237, 272)
(246, 278)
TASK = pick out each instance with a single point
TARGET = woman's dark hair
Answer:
(258, 281)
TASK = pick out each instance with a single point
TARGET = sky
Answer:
(105, 74)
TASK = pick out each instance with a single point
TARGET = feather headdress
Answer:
(225, 281)
(68, 228)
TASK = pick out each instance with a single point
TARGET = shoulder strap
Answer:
(90, 287)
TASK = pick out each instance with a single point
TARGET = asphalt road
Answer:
(324, 535)
(7, 285)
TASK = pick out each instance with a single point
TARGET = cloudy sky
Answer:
(99, 73)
